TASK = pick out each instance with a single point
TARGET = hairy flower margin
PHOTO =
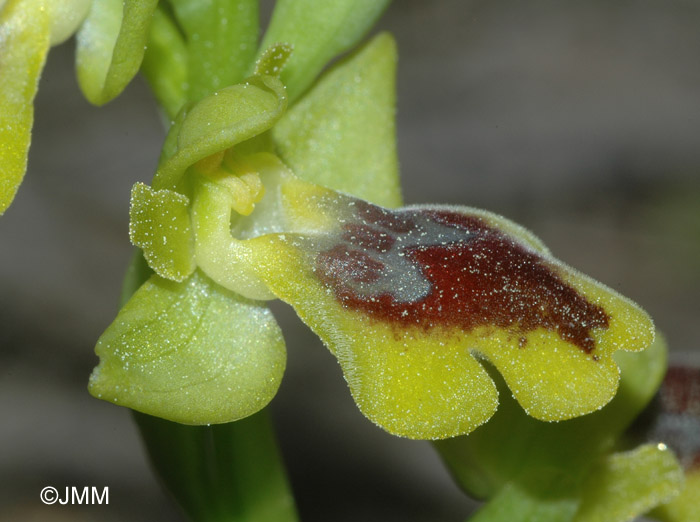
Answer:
(273, 184)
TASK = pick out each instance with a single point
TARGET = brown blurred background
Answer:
(580, 120)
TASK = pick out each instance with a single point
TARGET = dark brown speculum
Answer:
(436, 267)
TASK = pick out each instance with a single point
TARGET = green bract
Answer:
(196, 48)
(628, 484)
(165, 63)
(223, 472)
(221, 38)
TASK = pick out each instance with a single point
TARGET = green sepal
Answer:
(342, 133)
(221, 38)
(625, 485)
(190, 352)
(165, 63)
(517, 503)
(24, 43)
(223, 472)
(111, 45)
(219, 121)
(686, 506)
(512, 445)
(159, 224)
(318, 31)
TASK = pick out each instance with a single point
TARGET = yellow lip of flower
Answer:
(410, 300)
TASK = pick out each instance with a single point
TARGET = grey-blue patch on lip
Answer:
(401, 277)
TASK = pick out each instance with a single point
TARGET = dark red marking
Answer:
(674, 417)
(680, 392)
(366, 236)
(487, 279)
(680, 397)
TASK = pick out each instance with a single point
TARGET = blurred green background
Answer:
(580, 120)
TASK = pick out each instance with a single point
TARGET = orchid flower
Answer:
(411, 301)
(224, 354)
(279, 180)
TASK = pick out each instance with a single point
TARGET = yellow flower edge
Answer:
(429, 383)
(412, 301)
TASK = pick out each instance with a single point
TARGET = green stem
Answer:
(221, 473)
